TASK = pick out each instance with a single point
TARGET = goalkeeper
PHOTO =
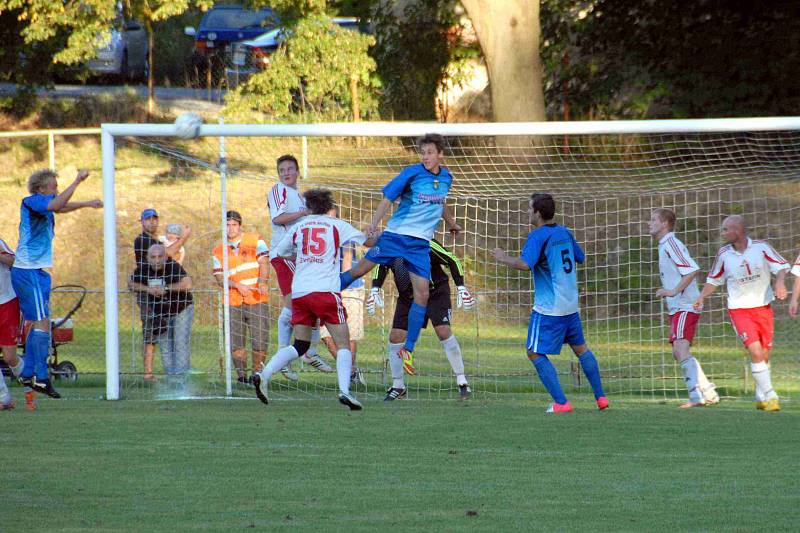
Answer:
(439, 313)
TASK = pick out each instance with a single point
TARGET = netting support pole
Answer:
(226, 308)
(110, 267)
(304, 157)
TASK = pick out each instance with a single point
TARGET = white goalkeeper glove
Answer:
(464, 298)
(374, 299)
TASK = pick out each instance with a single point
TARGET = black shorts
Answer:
(439, 310)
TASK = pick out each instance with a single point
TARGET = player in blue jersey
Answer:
(552, 253)
(34, 254)
(422, 190)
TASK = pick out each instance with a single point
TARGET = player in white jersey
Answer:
(747, 266)
(316, 297)
(9, 328)
(286, 208)
(679, 289)
(793, 304)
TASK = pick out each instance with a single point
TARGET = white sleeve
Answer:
(796, 267)
(775, 260)
(716, 276)
(285, 247)
(347, 233)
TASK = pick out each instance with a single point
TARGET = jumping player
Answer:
(551, 252)
(422, 190)
(315, 242)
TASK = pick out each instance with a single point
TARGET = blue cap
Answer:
(149, 213)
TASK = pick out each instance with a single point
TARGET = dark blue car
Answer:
(220, 26)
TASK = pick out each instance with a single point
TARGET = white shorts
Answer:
(353, 300)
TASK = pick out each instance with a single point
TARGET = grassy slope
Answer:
(488, 465)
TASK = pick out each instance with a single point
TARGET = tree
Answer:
(85, 20)
(509, 36)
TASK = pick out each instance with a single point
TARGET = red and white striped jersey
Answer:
(747, 274)
(315, 240)
(282, 199)
(674, 262)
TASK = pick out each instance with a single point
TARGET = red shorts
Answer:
(327, 307)
(754, 325)
(284, 269)
(683, 325)
(9, 323)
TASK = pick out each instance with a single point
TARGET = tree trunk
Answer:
(509, 35)
(151, 93)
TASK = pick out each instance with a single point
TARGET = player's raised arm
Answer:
(501, 256)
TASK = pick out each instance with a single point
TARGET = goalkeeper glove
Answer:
(374, 299)
(464, 298)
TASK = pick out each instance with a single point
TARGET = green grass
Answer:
(414, 465)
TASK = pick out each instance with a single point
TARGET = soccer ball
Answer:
(187, 125)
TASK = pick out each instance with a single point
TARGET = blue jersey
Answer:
(422, 195)
(552, 253)
(36, 231)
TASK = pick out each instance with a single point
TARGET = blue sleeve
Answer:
(395, 188)
(38, 203)
(532, 250)
(580, 257)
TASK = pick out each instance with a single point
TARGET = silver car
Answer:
(122, 51)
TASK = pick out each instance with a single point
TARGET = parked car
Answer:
(122, 51)
(247, 57)
(220, 26)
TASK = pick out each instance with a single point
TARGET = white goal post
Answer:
(547, 143)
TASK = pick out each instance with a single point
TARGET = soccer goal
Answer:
(606, 177)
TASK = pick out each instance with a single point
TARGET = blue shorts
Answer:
(32, 286)
(547, 333)
(415, 252)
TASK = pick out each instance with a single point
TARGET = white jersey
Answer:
(796, 267)
(282, 199)
(748, 274)
(674, 262)
(6, 290)
(315, 240)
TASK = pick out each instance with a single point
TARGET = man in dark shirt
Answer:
(164, 288)
(439, 313)
(141, 244)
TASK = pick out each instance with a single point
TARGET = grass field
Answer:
(410, 465)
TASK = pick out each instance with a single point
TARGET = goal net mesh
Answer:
(605, 186)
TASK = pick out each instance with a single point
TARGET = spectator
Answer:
(165, 288)
(248, 294)
(141, 245)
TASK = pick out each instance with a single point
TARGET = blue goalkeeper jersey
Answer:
(422, 195)
(36, 232)
(551, 252)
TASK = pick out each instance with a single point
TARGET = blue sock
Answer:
(549, 376)
(28, 357)
(592, 371)
(346, 279)
(41, 350)
(416, 317)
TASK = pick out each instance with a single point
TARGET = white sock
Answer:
(17, 369)
(285, 327)
(702, 380)
(396, 365)
(691, 370)
(344, 364)
(281, 358)
(761, 375)
(453, 351)
(312, 350)
(5, 396)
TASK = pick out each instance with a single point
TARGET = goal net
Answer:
(606, 178)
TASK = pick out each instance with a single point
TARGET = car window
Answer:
(235, 19)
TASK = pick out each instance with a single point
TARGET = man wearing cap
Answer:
(248, 293)
(142, 243)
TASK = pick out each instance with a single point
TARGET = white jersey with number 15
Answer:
(315, 240)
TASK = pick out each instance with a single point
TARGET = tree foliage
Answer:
(310, 75)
